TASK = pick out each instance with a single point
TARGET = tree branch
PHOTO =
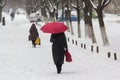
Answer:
(94, 6)
(106, 3)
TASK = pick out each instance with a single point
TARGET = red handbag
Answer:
(68, 56)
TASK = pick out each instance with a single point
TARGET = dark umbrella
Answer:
(54, 27)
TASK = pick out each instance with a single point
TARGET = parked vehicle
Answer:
(73, 18)
(34, 17)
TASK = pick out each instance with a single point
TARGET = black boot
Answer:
(33, 43)
(58, 68)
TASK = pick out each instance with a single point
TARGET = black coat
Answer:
(33, 32)
(58, 47)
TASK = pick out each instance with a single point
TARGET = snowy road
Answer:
(20, 61)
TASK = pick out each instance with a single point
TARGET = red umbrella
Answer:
(54, 27)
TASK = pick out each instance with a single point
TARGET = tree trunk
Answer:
(0, 11)
(79, 29)
(0, 14)
(89, 32)
(66, 18)
(86, 26)
(70, 22)
(92, 32)
(92, 35)
(102, 27)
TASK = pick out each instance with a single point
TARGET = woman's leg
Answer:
(58, 66)
(33, 43)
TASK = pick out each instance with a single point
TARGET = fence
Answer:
(92, 47)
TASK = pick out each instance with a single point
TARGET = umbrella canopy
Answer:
(54, 27)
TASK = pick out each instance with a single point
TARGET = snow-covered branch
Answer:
(94, 6)
(105, 3)
(73, 5)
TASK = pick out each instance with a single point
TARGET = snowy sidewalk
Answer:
(20, 61)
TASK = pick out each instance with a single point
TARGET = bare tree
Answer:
(101, 4)
(52, 8)
(67, 11)
(78, 9)
(32, 5)
(113, 7)
(89, 32)
(43, 8)
(69, 15)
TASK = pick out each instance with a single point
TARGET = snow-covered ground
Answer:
(20, 61)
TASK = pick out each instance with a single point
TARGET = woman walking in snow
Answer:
(59, 47)
(33, 34)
